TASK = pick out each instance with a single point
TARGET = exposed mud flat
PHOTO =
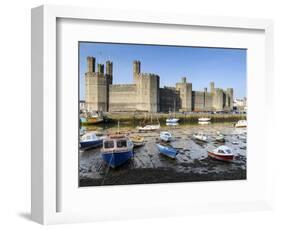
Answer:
(149, 166)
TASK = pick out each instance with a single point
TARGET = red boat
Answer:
(222, 153)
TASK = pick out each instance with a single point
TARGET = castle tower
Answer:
(185, 94)
(136, 70)
(109, 71)
(218, 99)
(91, 63)
(229, 93)
(96, 87)
(100, 68)
(212, 87)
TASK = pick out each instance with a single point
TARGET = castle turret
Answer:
(136, 70)
(96, 87)
(100, 68)
(212, 87)
(109, 71)
(91, 62)
(229, 93)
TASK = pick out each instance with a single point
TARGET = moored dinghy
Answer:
(167, 150)
(147, 128)
(165, 136)
(117, 149)
(222, 153)
(219, 137)
(172, 120)
(200, 137)
(241, 124)
(137, 140)
(90, 140)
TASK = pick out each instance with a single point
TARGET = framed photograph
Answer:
(140, 114)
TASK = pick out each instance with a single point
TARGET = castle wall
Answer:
(208, 101)
(198, 99)
(122, 97)
(169, 98)
(145, 95)
(218, 99)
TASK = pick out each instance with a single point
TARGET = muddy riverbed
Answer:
(148, 166)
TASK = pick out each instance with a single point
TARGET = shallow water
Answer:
(192, 157)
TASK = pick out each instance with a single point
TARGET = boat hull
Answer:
(227, 158)
(169, 152)
(117, 158)
(90, 144)
(240, 126)
(91, 121)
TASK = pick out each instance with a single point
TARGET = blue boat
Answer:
(167, 150)
(117, 149)
(90, 140)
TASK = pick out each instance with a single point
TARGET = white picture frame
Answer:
(47, 184)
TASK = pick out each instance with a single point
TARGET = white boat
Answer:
(222, 153)
(90, 140)
(241, 124)
(165, 136)
(220, 137)
(204, 119)
(147, 128)
(200, 137)
(172, 120)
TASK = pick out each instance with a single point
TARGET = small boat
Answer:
(219, 137)
(91, 120)
(167, 150)
(241, 124)
(165, 136)
(222, 153)
(137, 140)
(200, 137)
(90, 140)
(147, 128)
(117, 149)
(204, 119)
(172, 120)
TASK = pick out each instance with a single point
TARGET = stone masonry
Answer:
(145, 94)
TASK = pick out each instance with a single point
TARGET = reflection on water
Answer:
(192, 155)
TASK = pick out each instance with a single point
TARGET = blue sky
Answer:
(226, 67)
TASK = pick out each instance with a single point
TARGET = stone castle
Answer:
(145, 94)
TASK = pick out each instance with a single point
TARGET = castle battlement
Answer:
(145, 94)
